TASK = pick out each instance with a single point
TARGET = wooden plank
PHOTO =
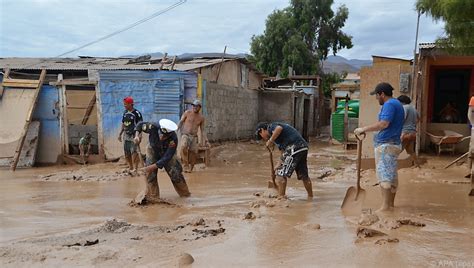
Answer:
(63, 124)
(89, 110)
(29, 115)
(6, 73)
(73, 83)
(26, 81)
(100, 129)
(22, 85)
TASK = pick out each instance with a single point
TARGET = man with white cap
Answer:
(189, 125)
(161, 153)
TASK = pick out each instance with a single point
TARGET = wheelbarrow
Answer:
(445, 140)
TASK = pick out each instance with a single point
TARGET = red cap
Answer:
(128, 100)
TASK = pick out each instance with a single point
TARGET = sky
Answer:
(48, 28)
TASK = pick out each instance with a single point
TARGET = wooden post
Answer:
(100, 129)
(222, 60)
(89, 110)
(63, 121)
(5, 76)
(29, 116)
(163, 61)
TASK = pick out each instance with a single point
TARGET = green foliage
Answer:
(458, 16)
(300, 36)
(328, 80)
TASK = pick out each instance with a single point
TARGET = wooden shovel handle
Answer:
(272, 165)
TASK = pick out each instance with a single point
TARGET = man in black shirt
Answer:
(130, 119)
(294, 153)
(161, 153)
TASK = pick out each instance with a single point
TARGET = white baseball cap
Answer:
(167, 126)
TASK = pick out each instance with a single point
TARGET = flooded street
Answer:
(43, 217)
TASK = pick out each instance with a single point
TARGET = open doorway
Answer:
(451, 96)
(81, 117)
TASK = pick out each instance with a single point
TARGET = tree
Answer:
(300, 36)
(458, 16)
(329, 79)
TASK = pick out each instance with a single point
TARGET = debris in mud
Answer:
(198, 222)
(410, 222)
(388, 224)
(136, 238)
(364, 232)
(384, 241)
(185, 259)
(85, 174)
(114, 226)
(324, 172)
(141, 201)
(250, 216)
(367, 219)
(86, 244)
(209, 232)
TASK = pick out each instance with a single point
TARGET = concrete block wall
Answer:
(231, 112)
(276, 106)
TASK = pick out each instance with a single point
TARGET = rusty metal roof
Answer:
(97, 63)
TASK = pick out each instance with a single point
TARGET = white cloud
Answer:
(42, 28)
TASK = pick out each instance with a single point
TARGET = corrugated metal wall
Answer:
(157, 95)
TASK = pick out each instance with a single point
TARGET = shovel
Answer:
(272, 184)
(355, 196)
(471, 193)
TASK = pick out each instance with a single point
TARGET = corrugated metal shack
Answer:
(80, 95)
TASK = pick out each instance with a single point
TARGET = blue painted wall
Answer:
(47, 112)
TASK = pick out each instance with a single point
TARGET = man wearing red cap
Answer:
(130, 119)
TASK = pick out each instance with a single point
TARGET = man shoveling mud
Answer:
(294, 153)
(189, 124)
(130, 119)
(161, 153)
(387, 144)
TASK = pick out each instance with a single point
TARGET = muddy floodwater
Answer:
(80, 216)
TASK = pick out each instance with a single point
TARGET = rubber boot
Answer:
(309, 187)
(152, 191)
(182, 189)
(281, 185)
(386, 199)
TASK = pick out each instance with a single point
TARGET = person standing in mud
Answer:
(130, 119)
(85, 147)
(408, 137)
(161, 153)
(190, 123)
(387, 143)
(294, 153)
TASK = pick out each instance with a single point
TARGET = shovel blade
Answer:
(352, 203)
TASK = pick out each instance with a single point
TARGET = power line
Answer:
(154, 15)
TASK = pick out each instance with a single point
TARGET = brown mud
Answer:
(40, 218)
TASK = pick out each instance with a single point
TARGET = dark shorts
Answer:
(173, 167)
(129, 148)
(294, 159)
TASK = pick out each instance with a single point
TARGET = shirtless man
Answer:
(189, 125)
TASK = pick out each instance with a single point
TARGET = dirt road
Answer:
(71, 216)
